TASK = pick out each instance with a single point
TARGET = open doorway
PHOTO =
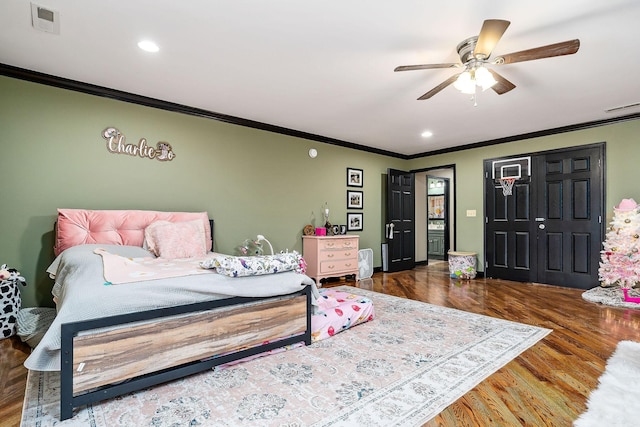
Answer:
(435, 192)
(437, 218)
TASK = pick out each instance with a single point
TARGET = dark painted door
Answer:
(509, 239)
(569, 217)
(550, 229)
(400, 224)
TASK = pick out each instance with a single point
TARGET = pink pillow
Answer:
(176, 239)
(149, 237)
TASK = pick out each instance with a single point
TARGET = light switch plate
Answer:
(471, 212)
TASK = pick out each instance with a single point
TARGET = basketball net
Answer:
(507, 185)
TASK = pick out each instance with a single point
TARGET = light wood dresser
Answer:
(330, 256)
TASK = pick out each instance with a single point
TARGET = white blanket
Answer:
(80, 293)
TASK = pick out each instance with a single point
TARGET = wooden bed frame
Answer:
(107, 357)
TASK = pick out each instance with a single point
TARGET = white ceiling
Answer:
(326, 67)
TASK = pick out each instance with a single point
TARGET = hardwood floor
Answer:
(547, 385)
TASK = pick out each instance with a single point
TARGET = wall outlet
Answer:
(471, 212)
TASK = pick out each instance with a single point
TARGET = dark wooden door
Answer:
(400, 224)
(509, 234)
(550, 229)
(569, 212)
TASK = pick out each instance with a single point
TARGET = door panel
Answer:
(400, 225)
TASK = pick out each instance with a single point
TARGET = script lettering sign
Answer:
(117, 144)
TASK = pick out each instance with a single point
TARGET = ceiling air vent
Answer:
(44, 19)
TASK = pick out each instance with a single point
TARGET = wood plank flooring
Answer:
(547, 385)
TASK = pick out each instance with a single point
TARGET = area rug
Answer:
(615, 401)
(400, 369)
(611, 296)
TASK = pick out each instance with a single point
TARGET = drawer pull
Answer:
(331, 266)
(329, 255)
(347, 254)
(330, 244)
(348, 265)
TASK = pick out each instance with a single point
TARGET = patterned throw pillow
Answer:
(236, 266)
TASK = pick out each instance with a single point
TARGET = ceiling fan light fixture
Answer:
(465, 83)
(484, 79)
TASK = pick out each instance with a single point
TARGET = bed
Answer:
(112, 338)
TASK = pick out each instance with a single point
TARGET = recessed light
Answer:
(426, 134)
(148, 46)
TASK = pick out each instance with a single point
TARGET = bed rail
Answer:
(107, 357)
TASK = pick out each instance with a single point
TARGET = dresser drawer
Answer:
(339, 244)
(339, 266)
(333, 255)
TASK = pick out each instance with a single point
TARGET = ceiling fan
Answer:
(474, 56)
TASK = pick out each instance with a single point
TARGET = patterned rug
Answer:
(400, 369)
(611, 296)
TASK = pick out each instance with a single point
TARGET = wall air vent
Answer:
(623, 107)
(44, 19)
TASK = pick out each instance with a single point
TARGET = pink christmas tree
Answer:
(620, 259)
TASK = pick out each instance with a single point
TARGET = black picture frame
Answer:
(354, 221)
(355, 199)
(355, 177)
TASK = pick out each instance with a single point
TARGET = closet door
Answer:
(550, 229)
(569, 210)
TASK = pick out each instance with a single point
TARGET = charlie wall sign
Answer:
(117, 144)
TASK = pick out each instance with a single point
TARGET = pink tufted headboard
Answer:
(114, 227)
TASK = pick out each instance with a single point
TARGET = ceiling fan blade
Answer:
(558, 49)
(426, 66)
(439, 87)
(503, 85)
(490, 34)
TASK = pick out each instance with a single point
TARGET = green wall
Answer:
(251, 181)
(622, 152)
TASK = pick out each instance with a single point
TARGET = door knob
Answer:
(541, 226)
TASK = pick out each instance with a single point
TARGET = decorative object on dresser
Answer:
(330, 256)
(308, 230)
(327, 224)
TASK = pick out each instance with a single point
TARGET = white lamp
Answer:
(261, 237)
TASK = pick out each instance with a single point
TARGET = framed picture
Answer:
(355, 199)
(354, 221)
(354, 177)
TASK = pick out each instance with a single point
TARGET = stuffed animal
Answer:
(10, 299)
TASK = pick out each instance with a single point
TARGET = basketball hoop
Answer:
(507, 185)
